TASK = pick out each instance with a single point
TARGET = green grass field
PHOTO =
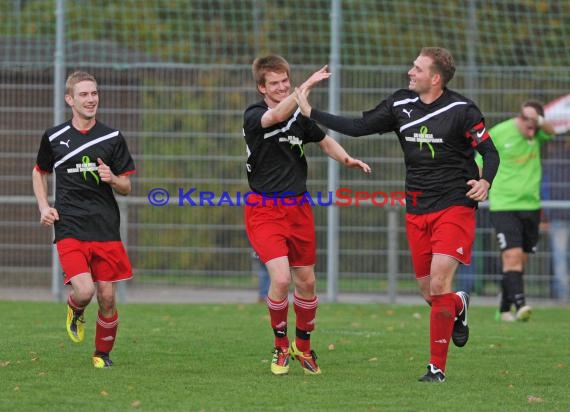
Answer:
(216, 358)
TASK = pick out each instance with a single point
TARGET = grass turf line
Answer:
(212, 357)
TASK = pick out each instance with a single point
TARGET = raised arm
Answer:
(287, 106)
(345, 125)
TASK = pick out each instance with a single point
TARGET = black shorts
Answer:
(517, 229)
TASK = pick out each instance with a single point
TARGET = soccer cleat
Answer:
(308, 360)
(433, 374)
(101, 360)
(460, 333)
(74, 325)
(507, 317)
(523, 314)
(280, 361)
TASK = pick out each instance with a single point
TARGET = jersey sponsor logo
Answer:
(294, 141)
(425, 137)
(87, 167)
(65, 143)
(408, 112)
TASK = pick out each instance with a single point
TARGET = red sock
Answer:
(278, 311)
(106, 332)
(305, 311)
(442, 317)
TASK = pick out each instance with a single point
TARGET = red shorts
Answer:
(106, 261)
(277, 229)
(448, 232)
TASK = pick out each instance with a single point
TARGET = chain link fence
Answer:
(175, 77)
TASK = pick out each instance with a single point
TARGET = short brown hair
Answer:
(270, 63)
(443, 62)
(536, 105)
(76, 77)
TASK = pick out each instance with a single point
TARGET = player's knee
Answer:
(281, 283)
(84, 293)
(106, 303)
(307, 286)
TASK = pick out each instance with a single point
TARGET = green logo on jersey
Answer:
(423, 137)
(295, 141)
(88, 168)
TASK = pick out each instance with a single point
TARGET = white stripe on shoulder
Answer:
(428, 116)
(59, 132)
(86, 145)
(283, 129)
(406, 101)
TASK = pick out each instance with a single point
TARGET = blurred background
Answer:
(175, 77)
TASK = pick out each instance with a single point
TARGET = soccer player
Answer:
(438, 130)
(514, 200)
(90, 161)
(278, 218)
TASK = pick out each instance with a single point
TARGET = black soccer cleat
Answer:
(433, 374)
(460, 334)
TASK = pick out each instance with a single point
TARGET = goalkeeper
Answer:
(514, 201)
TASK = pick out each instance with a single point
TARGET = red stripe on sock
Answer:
(106, 332)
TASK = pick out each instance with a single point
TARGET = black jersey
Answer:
(276, 163)
(86, 206)
(438, 142)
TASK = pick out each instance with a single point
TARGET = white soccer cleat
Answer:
(523, 314)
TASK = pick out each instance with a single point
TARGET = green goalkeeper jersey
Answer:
(517, 183)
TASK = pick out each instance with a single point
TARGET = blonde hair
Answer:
(76, 77)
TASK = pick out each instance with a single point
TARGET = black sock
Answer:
(518, 289)
(506, 302)
(513, 290)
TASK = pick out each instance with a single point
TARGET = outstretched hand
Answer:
(302, 92)
(357, 164)
(318, 76)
